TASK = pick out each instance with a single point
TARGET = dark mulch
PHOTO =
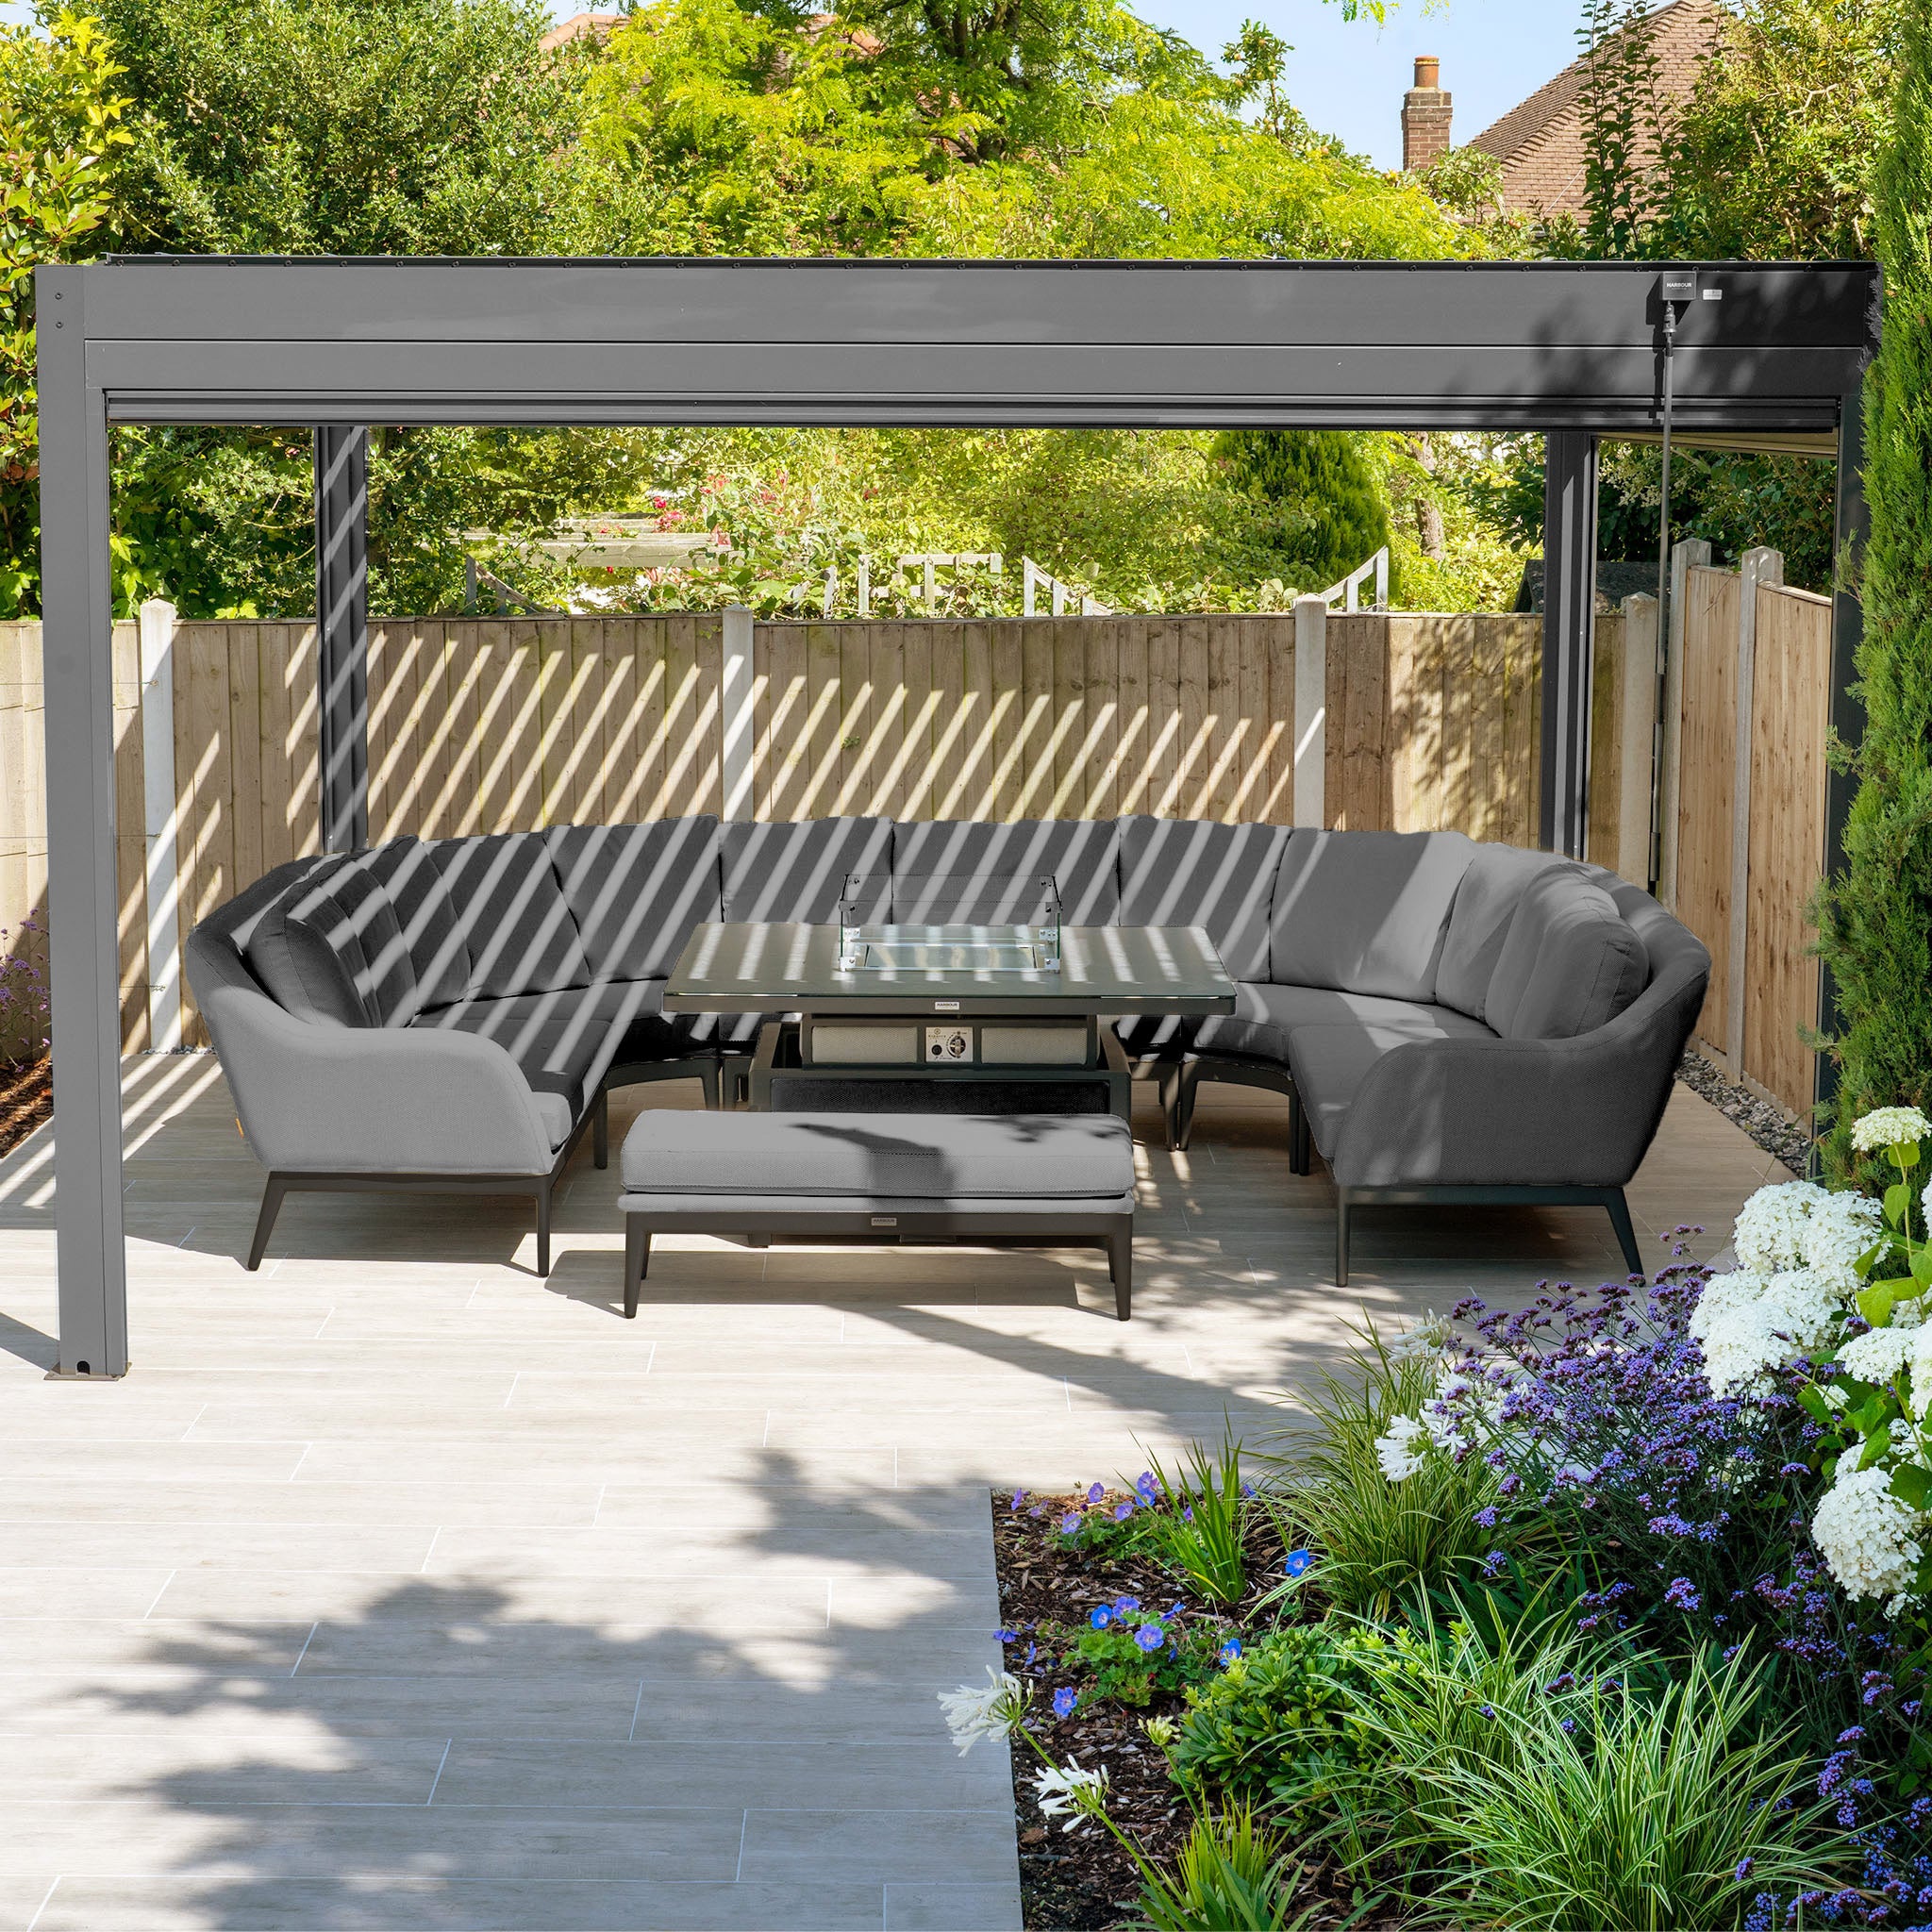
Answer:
(1083, 1881)
(26, 1099)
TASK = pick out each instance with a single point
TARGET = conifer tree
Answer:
(1334, 514)
(1875, 928)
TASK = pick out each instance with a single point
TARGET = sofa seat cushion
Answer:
(1486, 902)
(1569, 964)
(636, 892)
(1198, 872)
(1365, 911)
(1081, 855)
(935, 1158)
(512, 913)
(1329, 1064)
(563, 1041)
(1265, 1015)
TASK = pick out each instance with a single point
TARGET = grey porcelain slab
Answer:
(1104, 969)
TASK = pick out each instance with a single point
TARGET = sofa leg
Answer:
(1341, 1212)
(600, 1129)
(1120, 1266)
(543, 1230)
(636, 1262)
(1299, 1152)
(1627, 1235)
(271, 1198)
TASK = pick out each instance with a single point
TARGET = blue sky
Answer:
(1348, 77)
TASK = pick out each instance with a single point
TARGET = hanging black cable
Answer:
(1675, 286)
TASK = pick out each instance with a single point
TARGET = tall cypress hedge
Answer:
(1875, 924)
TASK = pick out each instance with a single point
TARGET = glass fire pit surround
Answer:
(949, 923)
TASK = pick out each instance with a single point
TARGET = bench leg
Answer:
(1120, 1264)
(600, 1128)
(1180, 1128)
(708, 1071)
(271, 1198)
(543, 1229)
(636, 1262)
(1627, 1235)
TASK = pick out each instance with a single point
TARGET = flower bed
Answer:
(26, 1099)
(1607, 1610)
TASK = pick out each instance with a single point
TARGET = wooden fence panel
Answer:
(1791, 709)
(1704, 792)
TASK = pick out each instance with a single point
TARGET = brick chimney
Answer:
(1424, 115)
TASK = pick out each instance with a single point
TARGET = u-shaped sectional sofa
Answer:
(1449, 1021)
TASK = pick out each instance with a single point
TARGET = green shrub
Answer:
(1199, 1518)
(1130, 1653)
(1876, 917)
(1280, 1725)
(1378, 1540)
(1232, 1875)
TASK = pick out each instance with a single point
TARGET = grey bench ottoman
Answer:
(1012, 1180)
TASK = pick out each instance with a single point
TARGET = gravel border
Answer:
(1772, 1130)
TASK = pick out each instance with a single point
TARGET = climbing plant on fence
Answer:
(1877, 919)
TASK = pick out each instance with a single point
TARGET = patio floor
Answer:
(397, 1587)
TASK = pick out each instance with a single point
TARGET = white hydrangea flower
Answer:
(1837, 1230)
(1793, 1314)
(1722, 1295)
(1398, 1450)
(1878, 1356)
(1770, 1231)
(1865, 1535)
(1071, 1790)
(1920, 1363)
(994, 1713)
(1889, 1127)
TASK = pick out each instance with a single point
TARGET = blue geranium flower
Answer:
(1006, 1636)
(1097, 1493)
(1070, 1522)
(1126, 1605)
(1149, 1490)
(1100, 1618)
(1122, 1511)
(1230, 1650)
(1299, 1562)
(1064, 1701)
(1150, 1636)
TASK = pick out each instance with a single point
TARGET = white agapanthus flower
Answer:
(1837, 1230)
(1399, 1448)
(1865, 1535)
(1878, 1356)
(1792, 1313)
(1071, 1791)
(994, 1713)
(1889, 1127)
(1770, 1231)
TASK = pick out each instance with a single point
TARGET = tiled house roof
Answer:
(1540, 142)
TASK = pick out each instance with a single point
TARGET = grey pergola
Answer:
(1770, 356)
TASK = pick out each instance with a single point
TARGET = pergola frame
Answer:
(1574, 350)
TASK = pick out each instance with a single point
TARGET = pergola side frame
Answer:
(1570, 349)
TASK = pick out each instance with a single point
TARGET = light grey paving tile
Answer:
(77, 1593)
(900, 1774)
(794, 1548)
(218, 1545)
(56, 1643)
(205, 1767)
(400, 1904)
(147, 1463)
(287, 1841)
(399, 1504)
(809, 1847)
(930, 1907)
(840, 1711)
(590, 1454)
(22, 1896)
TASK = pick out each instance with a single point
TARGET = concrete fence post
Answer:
(160, 825)
(1693, 553)
(1758, 569)
(1311, 712)
(735, 700)
(1635, 699)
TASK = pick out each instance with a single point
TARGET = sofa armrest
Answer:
(372, 1100)
(1578, 1112)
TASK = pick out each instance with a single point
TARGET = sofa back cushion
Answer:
(636, 892)
(298, 964)
(1364, 911)
(1570, 963)
(1198, 872)
(1486, 902)
(332, 951)
(510, 912)
(1081, 855)
(414, 883)
(793, 871)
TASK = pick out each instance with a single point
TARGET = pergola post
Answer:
(1568, 622)
(76, 637)
(341, 631)
(1854, 525)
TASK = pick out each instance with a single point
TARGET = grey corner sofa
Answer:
(1449, 1022)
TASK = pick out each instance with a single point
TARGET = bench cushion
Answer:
(1264, 1016)
(1082, 855)
(795, 869)
(1568, 963)
(512, 913)
(1486, 902)
(1197, 872)
(933, 1158)
(1365, 911)
(636, 892)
